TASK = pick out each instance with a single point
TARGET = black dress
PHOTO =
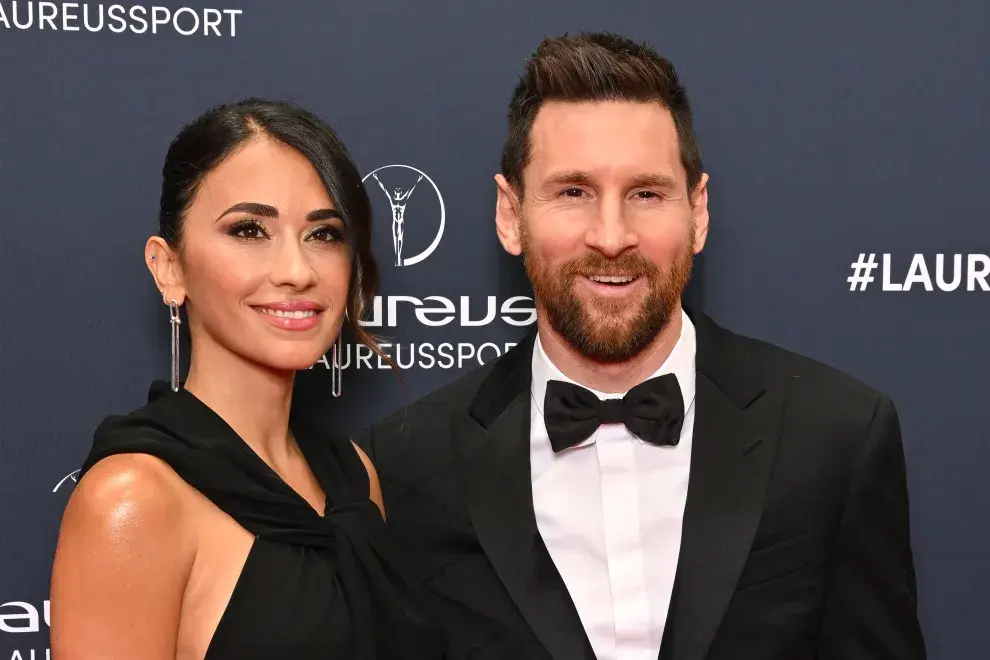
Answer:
(313, 587)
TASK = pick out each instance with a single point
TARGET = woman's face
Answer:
(263, 264)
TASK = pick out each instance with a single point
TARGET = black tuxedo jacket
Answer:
(795, 544)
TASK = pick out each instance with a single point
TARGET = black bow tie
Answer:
(652, 411)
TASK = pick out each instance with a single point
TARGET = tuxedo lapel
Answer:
(491, 446)
(736, 428)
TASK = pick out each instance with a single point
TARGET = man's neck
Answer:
(610, 378)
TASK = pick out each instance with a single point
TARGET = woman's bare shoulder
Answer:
(125, 550)
(124, 492)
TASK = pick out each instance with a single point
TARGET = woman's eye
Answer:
(328, 234)
(247, 230)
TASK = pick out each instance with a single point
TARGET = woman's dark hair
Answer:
(203, 144)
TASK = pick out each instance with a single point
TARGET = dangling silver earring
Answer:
(337, 355)
(173, 313)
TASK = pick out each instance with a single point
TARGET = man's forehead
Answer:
(612, 138)
(557, 115)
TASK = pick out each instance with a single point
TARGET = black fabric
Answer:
(652, 411)
(795, 541)
(313, 586)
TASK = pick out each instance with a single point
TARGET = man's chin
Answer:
(610, 316)
(607, 349)
(606, 333)
(613, 335)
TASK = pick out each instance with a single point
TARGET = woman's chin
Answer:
(295, 362)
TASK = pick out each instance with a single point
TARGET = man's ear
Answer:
(699, 211)
(163, 262)
(507, 217)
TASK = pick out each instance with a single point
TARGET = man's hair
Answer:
(589, 68)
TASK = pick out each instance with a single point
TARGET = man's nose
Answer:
(611, 233)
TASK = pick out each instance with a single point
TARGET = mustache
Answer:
(594, 263)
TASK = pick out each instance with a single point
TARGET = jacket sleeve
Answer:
(870, 608)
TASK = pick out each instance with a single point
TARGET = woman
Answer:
(207, 524)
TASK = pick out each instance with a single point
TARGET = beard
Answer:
(600, 327)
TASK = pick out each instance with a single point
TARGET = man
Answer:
(632, 481)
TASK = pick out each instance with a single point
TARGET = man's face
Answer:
(607, 228)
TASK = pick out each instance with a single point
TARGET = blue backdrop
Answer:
(830, 130)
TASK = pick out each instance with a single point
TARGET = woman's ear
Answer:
(163, 262)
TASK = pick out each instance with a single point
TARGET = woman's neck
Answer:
(252, 399)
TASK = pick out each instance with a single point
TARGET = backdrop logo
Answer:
(72, 477)
(398, 183)
(21, 617)
(952, 272)
(26, 625)
(435, 311)
(137, 19)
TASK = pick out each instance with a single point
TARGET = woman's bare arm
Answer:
(123, 558)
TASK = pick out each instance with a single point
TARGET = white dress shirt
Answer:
(610, 513)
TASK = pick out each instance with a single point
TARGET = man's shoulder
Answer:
(827, 385)
(433, 409)
(413, 441)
